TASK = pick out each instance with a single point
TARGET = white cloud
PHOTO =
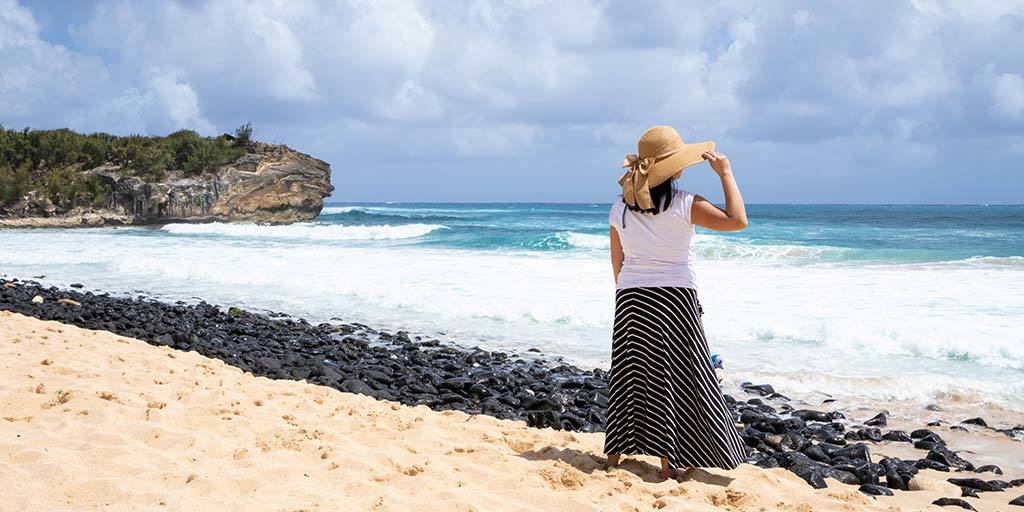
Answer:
(177, 99)
(249, 48)
(42, 82)
(17, 25)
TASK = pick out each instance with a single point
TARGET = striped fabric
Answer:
(664, 399)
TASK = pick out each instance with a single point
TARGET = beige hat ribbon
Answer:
(636, 187)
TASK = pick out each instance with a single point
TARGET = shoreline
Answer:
(542, 392)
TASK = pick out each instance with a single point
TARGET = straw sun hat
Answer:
(661, 153)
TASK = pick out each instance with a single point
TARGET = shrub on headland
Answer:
(55, 162)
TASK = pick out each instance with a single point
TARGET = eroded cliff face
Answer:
(270, 183)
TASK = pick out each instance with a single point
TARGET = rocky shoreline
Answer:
(269, 183)
(543, 392)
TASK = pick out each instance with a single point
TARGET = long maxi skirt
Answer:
(664, 399)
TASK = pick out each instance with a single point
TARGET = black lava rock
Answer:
(921, 432)
(875, 490)
(878, 421)
(1019, 501)
(946, 456)
(897, 436)
(812, 474)
(931, 464)
(760, 389)
(989, 468)
(975, 421)
(953, 502)
(810, 415)
(974, 483)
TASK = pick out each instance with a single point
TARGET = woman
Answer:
(664, 398)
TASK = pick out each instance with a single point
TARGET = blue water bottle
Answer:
(716, 362)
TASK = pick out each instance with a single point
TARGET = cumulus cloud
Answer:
(535, 85)
(176, 99)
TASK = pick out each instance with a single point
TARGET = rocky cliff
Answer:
(269, 183)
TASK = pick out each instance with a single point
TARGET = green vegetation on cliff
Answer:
(54, 162)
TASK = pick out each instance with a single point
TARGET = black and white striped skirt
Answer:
(664, 399)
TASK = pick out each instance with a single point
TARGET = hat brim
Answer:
(690, 154)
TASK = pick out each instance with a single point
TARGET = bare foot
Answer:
(675, 474)
(613, 461)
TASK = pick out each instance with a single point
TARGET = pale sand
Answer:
(92, 420)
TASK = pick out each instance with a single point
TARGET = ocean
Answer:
(903, 305)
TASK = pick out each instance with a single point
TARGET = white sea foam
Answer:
(306, 231)
(341, 209)
(585, 240)
(721, 247)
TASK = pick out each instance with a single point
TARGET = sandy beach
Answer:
(92, 420)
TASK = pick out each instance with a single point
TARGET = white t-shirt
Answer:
(658, 246)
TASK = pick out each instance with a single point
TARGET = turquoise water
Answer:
(907, 304)
(884, 234)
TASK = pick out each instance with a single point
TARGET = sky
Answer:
(814, 102)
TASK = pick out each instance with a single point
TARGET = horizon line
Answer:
(601, 202)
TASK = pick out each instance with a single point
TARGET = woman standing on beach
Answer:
(664, 398)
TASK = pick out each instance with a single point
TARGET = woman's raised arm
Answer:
(705, 214)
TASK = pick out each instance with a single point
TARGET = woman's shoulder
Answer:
(615, 213)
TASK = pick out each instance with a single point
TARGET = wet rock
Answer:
(792, 459)
(928, 442)
(967, 492)
(869, 434)
(356, 386)
(975, 421)
(989, 468)
(760, 389)
(879, 420)
(812, 474)
(875, 490)
(953, 502)
(1018, 501)
(543, 419)
(76, 285)
(946, 456)
(811, 415)
(897, 436)
(845, 477)
(815, 453)
(895, 480)
(999, 485)
(974, 483)
(856, 452)
(931, 464)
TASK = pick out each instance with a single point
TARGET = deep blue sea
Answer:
(910, 304)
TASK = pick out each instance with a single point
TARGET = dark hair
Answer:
(661, 197)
